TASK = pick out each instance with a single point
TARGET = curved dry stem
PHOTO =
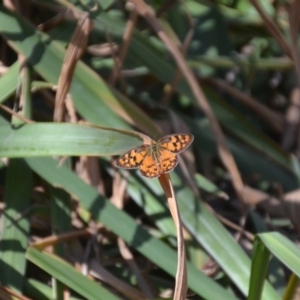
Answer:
(74, 52)
(181, 274)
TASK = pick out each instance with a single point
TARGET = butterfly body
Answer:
(156, 158)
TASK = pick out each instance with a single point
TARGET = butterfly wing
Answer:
(168, 161)
(153, 166)
(150, 167)
(176, 143)
(133, 158)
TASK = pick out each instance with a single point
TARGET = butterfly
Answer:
(156, 158)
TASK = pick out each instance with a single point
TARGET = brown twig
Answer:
(73, 54)
(293, 113)
(294, 19)
(130, 25)
(292, 119)
(181, 274)
(10, 111)
(232, 225)
(63, 237)
(178, 74)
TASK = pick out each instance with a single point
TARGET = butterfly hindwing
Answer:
(150, 167)
(168, 161)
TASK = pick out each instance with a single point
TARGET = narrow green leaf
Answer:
(9, 82)
(68, 275)
(259, 269)
(206, 185)
(15, 225)
(38, 290)
(60, 207)
(47, 139)
(281, 247)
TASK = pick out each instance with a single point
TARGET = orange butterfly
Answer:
(157, 158)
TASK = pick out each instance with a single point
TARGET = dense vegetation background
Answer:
(77, 77)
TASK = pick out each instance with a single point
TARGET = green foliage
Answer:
(230, 42)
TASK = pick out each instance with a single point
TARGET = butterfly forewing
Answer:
(133, 158)
(176, 143)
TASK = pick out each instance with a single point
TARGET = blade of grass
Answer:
(17, 198)
(60, 207)
(286, 251)
(15, 224)
(9, 82)
(47, 139)
(65, 273)
(38, 290)
(259, 269)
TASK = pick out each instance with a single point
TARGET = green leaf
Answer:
(281, 247)
(65, 273)
(258, 270)
(48, 139)
(15, 224)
